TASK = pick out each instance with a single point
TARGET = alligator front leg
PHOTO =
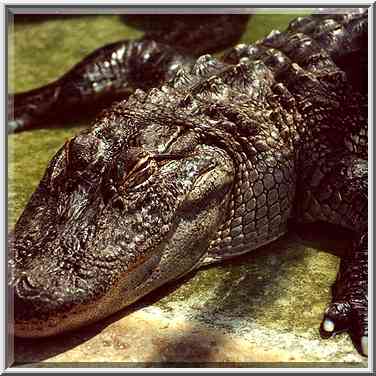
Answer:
(349, 307)
(336, 191)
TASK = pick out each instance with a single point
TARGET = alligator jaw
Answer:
(87, 313)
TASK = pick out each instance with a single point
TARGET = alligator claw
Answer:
(328, 326)
(347, 316)
(348, 310)
(336, 319)
(364, 345)
(359, 328)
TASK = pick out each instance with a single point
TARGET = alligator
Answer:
(207, 158)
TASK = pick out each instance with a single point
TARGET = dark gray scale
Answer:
(261, 200)
(261, 205)
(303, 24)
(291, 80)
(96, 73)
(204, 67)
(276, 61)
(340, 35)
(316, 83)
(304, 51)
(115, 70)
(280, 65)
(206, 33)
(199, 84)
(344, 37)
(301, 49)
(333, 83)
(283, 53)
(308, 56)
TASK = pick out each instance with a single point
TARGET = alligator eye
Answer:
(116, 184)
(133, 167)
(142, 164)
(146, 164)
(140, 172)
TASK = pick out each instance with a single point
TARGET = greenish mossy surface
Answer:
(274, 297)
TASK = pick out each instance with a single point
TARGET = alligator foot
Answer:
(348, 310)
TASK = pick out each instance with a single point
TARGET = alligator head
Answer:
(122, 208)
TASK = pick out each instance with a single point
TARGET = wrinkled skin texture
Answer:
(207, 165)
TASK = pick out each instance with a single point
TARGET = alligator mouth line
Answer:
(84, 314)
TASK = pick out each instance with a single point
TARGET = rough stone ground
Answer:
(262, 309)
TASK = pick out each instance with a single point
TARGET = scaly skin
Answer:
(116, 70)
(208, 166)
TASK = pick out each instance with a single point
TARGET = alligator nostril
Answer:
(25, 287)
(32, 301)
(25, 307)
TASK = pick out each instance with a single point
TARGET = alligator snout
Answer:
(38, 309)
(28, 301)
